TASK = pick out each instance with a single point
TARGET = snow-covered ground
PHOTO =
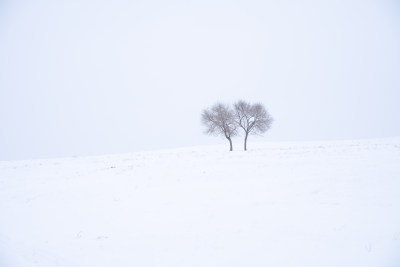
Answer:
(278, 204)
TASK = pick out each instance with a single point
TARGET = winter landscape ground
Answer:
(278, 204)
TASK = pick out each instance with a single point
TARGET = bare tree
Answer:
(253, 119)
(219, 120)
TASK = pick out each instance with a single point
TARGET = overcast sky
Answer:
(98, 77)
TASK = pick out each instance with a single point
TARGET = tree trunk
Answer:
(245, 142)
(230, 143)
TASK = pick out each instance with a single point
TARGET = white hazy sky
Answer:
(99, 77)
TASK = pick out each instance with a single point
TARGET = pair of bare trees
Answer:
(221, 119)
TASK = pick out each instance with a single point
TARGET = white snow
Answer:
(278, 204)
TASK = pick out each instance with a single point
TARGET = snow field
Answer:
(283, 204)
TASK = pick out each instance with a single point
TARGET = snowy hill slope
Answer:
(284, 204)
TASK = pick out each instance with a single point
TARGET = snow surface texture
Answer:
(285, 204)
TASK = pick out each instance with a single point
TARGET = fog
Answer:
(99, 77)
